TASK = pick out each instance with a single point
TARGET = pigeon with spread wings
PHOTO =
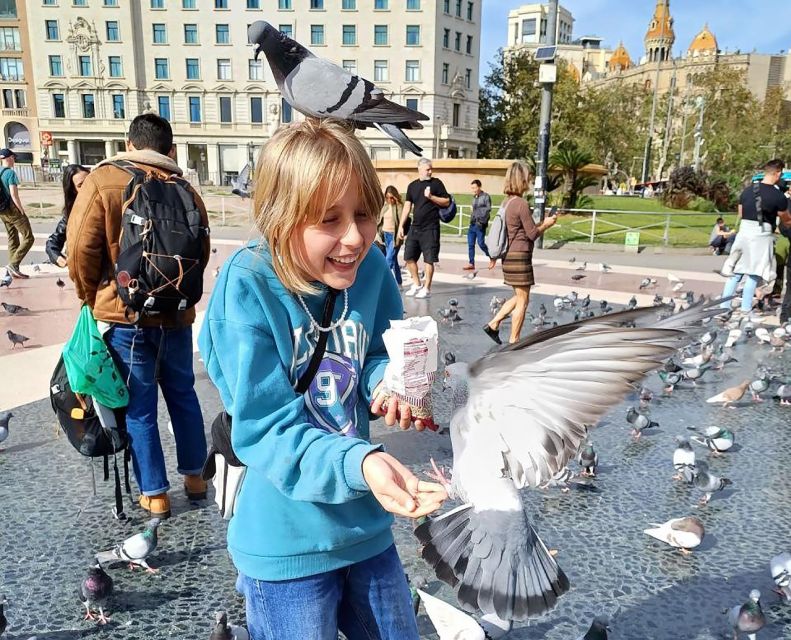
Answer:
(321, 89)
(524, 420)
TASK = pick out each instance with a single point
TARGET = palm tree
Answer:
(570, 161)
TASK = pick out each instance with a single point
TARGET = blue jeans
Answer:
(162, 356)
(476, 234)
(391, 255)
(368, 600)
(747, 294)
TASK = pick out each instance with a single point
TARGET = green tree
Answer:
(570, 161)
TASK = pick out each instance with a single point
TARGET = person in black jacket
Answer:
(73, 177)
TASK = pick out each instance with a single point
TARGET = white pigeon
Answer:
(780, 567)
(525, 419)
(684, 460)
(763, 335)
(453, 624)
(558, 303)
(134, 549)
(5, 418)
(681, 533)
(733, 337)
(673, 279)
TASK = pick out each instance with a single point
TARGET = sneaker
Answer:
(412, 290)
(158, 505)
(494, 334)
(16, 273)
(423, 293)
(195, 487)
(469, 267)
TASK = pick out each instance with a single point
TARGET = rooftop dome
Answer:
(620, 60)
(661, 25)
(704, 43)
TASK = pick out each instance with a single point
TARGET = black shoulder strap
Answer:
(129, 167)
(759, 210)
(321, 345)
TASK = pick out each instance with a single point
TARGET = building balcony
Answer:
(458, 133)
(15, 113)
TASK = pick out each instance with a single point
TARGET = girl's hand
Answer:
(395, 411)
(60, 261)
(398, 490)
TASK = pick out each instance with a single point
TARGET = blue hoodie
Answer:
(304, 507)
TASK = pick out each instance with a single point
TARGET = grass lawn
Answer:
(686, 229)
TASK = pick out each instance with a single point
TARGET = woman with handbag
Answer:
(387, 225)
(518, 262)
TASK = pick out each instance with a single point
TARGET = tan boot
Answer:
(195, 487)
(158, 505)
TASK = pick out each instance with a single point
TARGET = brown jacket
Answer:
(93, 233)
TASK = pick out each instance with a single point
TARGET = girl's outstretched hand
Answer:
(398, 490)
(396, 412)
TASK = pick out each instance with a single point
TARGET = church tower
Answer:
(660, 36)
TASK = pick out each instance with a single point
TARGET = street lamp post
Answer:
(701, 104)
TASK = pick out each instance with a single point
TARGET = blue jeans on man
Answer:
(722, 244)
(369, 599)
(391, 255)
(159, 358)
(476, 234)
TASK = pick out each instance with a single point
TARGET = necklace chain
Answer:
(333, 325)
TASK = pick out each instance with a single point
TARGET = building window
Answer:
(470, 10)
(110, 3)
(12, 69)
(218, 4)
(116, 70)
(446, 38)
(257, 110)
(190, 34)
(255, 69)
(58, 105)
(380, 34)
(79, 3)
(224, 69)
(55, 66)
(468, 78)
(349, 5)
(349, 35)
(119, 111)
(413, 5)
(287, 29)
(8, 9)
(225, 109)
(458, 8)
(445, 72)
(457, 41)
(9, 39)
(161, 69)
(163, 106)
(253, 4)
(112, 31)
(413, 35)
(284, 5)
(412, 71)
(412, 103)
(193, 69)
(194, 103)
(187, 4)
(8, 99)
(286, 114)
(350, 66)
(223, 34)
(52, 29)
(19, 99)
(528, 30)
(456, 112)
(160, 34)
(157, 4)
(380, 71)
(85, 66)
(317, 34)
(446, 6)
(317, 5)
(50, 3)
(88, 106)
(469, 45)
(381, 5)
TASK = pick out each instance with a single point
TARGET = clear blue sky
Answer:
(737, 24)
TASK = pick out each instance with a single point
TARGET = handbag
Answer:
(222, 466)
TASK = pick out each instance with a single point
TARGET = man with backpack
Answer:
(138, 239)
(12, 213)
(481, 209)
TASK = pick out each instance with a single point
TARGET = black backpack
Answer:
(159, 267)
(79, 421)
(5, 197)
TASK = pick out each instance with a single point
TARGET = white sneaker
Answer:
(423, 293)
(412, 290)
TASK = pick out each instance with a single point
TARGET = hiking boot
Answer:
(158, 506)
(195, 487)
(16, 273)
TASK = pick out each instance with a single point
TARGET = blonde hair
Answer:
(517, 179)
(301, 172)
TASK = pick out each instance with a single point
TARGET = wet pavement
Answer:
(53, 524)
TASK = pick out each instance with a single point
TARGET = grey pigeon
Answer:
(708, 482)
(320, 88)
(16, 338)
(572, 259)
(6, 280)
(36, 268)
(60, 283)
(495, 303)
(780, 568)
(598, 629)
(453, 302)
(95, 589)
(241, 183)
(716, 439)
(3, 619)
(658, 301)
(646, 282)
(588, 459)
(449, 358)
(639, 421)
(566, 478)
(450, 315)
(134, 549)
(783, 393)
(5, 418)
(605, 267)
(708, 337)
(759, 386)
(527, 415)
(684, 460)
(748, 618)
(224, 631)
(577, 276)
(585, 303)
(542, 309)
(632, 304)
(583, 266)
(13, 309)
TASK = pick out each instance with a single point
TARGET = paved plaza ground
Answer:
(53, 524)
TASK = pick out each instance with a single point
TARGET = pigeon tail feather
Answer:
(399, 137)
